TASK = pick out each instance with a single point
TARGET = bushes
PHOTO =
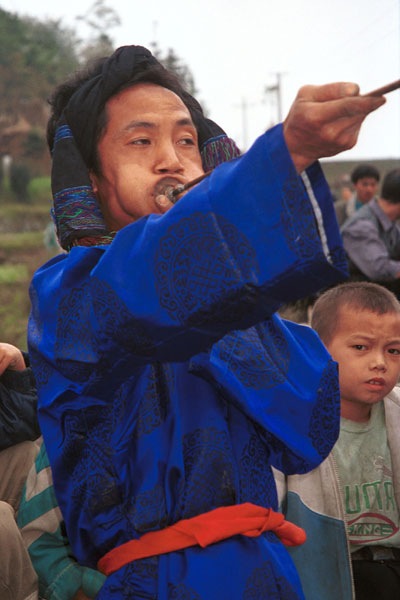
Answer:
(35, 190)
(19, 180)
(10, 273)
(35, 144)
(39, 190)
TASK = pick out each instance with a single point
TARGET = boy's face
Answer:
(367, 347)
(366, 189)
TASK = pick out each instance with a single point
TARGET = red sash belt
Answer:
(207, 528)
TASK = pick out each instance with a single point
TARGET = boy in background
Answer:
(349, 505)
(60, 576)
(365, 179)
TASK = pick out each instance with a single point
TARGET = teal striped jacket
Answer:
(43, 530)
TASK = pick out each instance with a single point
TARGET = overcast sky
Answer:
(235, 48)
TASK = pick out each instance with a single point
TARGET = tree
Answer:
(100, 18)
(172, 62)
(35, 143)
(19, 180)
(34, 57)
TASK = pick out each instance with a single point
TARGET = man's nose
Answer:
(167, 158)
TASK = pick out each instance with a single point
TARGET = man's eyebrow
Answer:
(186, 121)
(149, 125)
(137, 124)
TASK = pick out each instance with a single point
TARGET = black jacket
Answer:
(18, 404)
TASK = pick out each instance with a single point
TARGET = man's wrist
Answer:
(300, 161)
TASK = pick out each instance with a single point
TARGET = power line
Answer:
(276, 90)
(244, 106)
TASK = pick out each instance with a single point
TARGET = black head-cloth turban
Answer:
(76, 211)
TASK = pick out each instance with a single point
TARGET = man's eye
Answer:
(140, 142)
(187, 141)
(359, 346)
(394, 351)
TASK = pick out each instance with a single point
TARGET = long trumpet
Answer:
(173, 193)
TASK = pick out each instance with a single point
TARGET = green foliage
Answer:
(39, 190)
(100, 18)
(12, 210)
(35, 143)
(14, 312)
(34, 57)
(21, 255)
(14, 242)
(97, 48)
(11, 60)
(22, 220)
(19, 180)
(173, 63)
(13, 273)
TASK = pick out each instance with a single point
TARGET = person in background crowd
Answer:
(43, 532)
(18, 427)
(365, 179)
(371, 237)
(349, 505)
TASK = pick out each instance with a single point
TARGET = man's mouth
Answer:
(162, 187)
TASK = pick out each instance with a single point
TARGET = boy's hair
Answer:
(361, 295)
(362, 171)
(391, 187)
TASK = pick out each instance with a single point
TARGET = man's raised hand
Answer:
(325, 120)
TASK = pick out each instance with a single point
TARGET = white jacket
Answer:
(314, 501)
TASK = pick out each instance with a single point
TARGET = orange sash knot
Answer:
(207, 528)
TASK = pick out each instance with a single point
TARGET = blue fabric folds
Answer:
(168, 386)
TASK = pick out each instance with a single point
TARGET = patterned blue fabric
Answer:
(63, 133)
(168, 386)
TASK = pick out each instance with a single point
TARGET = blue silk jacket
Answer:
(168, 386)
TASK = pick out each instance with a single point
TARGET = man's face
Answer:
(367, 347)
(366, 189)
(149, 142)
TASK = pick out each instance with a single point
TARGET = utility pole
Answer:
(276, 90)
(244, 122)
(244, 106)
(154, 44)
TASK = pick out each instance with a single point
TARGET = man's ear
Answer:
(94, 181)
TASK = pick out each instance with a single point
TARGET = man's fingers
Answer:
(344, 108)
(330, 91)
(337, 139)
(325, 120)
(360, 105)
